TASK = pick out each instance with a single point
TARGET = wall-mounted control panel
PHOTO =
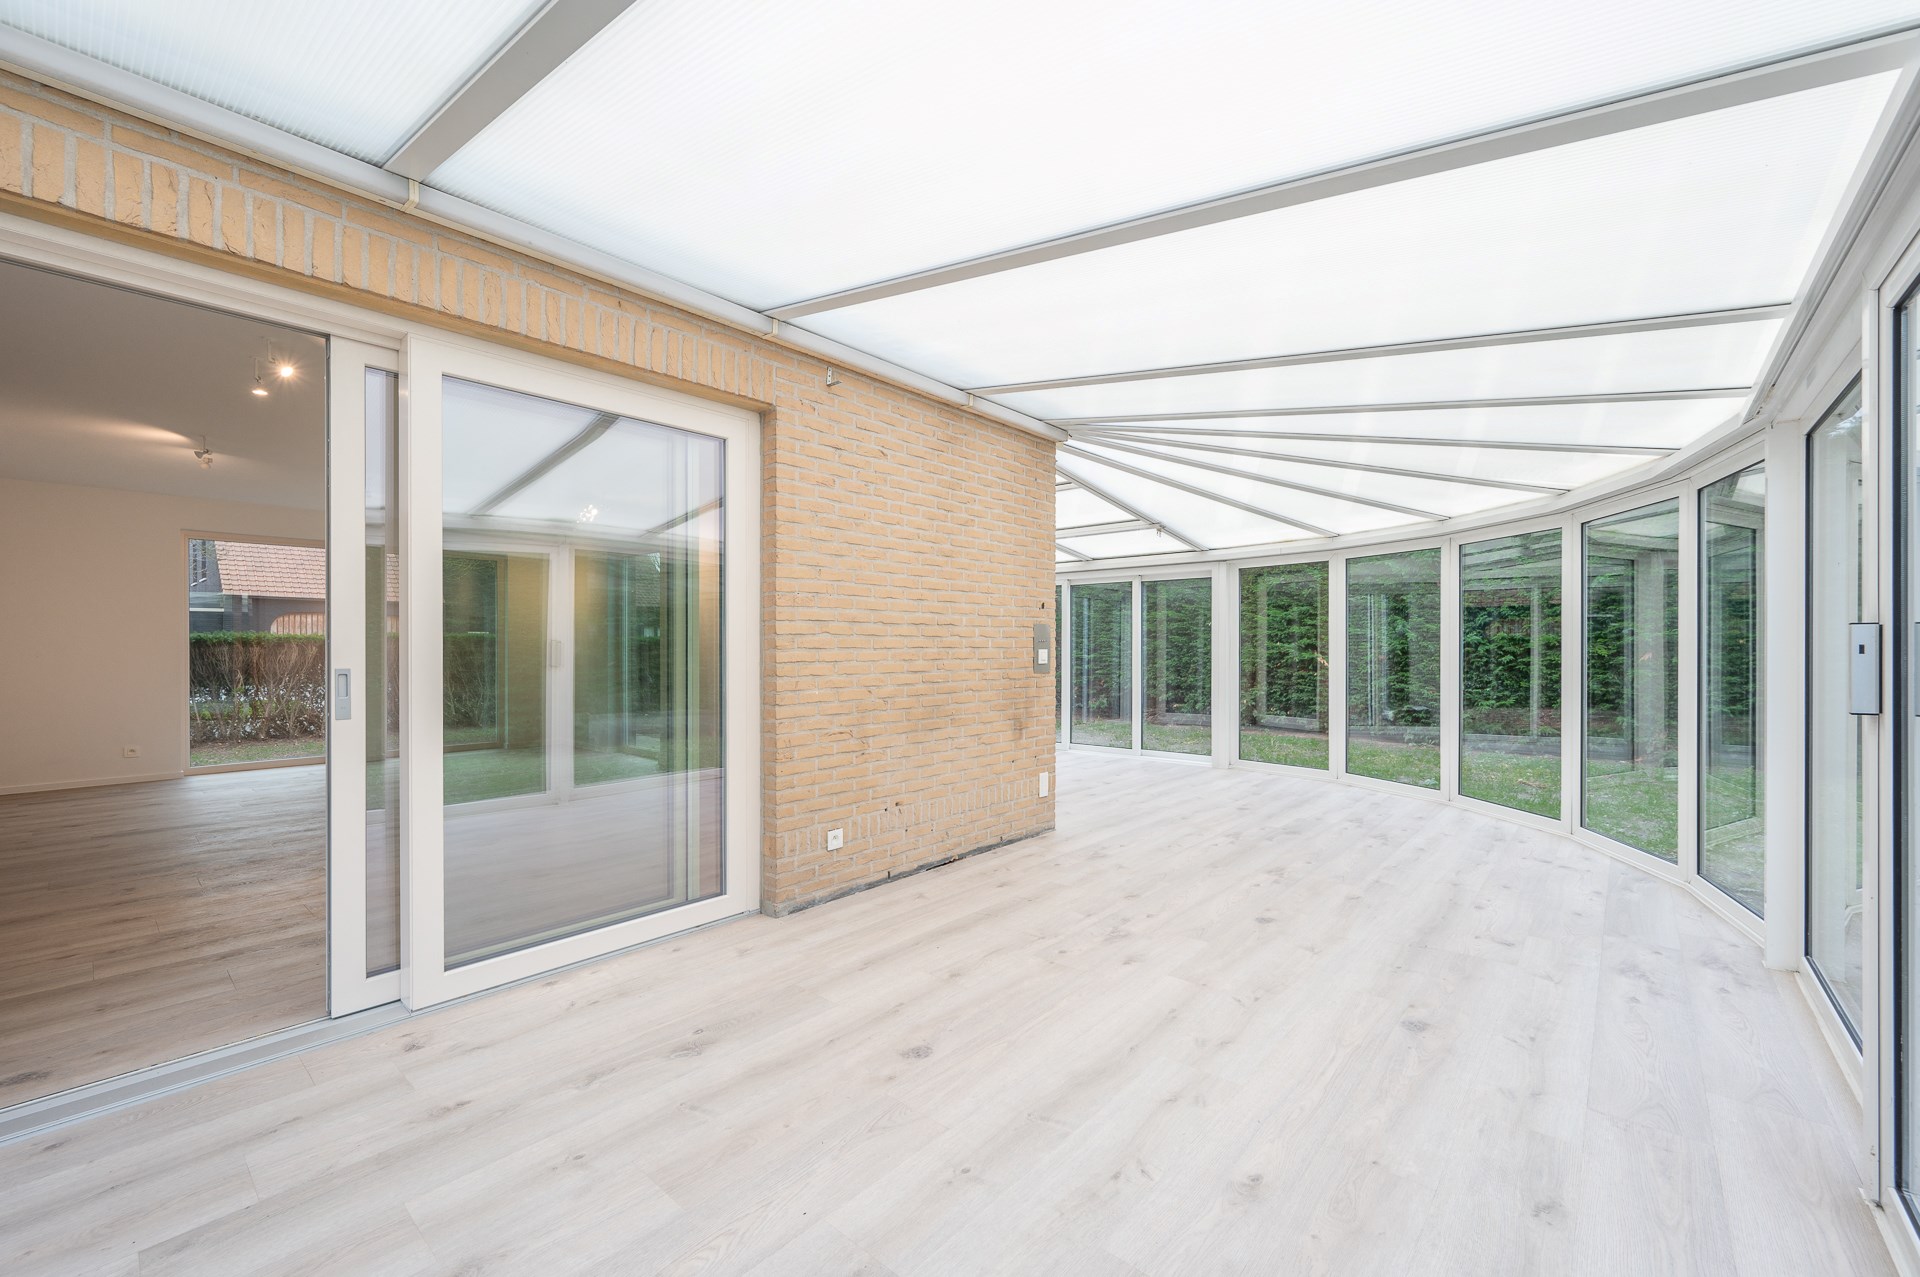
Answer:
(1863, 668)
(1042, 647)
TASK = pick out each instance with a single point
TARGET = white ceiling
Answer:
(109, 388)
(1420, 315)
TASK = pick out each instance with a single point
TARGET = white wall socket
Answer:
(835, 838)
(130, 751)
(1043, 784)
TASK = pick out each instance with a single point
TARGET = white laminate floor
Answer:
(1219, 1022)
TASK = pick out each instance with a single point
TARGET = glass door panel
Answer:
(1836, 783)
(1176, 666)
(1732, 686)
(1393, 667)
(581, 713)
(1630, 773)
(1510, 672)
(1283, 665)
(1103, 664)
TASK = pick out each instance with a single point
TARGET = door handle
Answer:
(342, 695)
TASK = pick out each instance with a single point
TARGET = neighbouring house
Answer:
(256, 587)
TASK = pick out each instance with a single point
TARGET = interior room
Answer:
(716, 637)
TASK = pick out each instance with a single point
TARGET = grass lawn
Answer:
(226, 752)
(1637, 806)
(1417, 765)
(1116, 732)
(476, 774)
(1177, 738)
(1524, 782)
(1294, 749)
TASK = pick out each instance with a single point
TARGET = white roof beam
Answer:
(1192, 491)
(549, 38)
(1754, 84)
(1102, 529)
(1145, 434)
(1519, 337)
(1172, 447)
(1159, 525)
(1253, 477)
(1431, 405)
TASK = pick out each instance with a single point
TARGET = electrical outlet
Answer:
(1043, 784)
(835, 839)
(130, 751)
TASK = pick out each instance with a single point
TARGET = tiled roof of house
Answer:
(272, 571)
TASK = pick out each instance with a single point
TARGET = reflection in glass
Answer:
(1283, 665)
(1059, 676)
(1176, 666)
(1630, 780)
(582, 690)
(1732, 680)
(1103, 664)
(1393, 667)
(1836, 786)
(380, 695)
(1510, 672)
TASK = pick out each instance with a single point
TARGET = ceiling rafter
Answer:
(1192, 491)
(1513, 485)
(1430, 405)
(1757, 83)
(1515, 337)
(1497, 445)
(550, 37)
(1159, 525)
(1291, 484)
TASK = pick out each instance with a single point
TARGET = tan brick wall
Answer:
(907, 544)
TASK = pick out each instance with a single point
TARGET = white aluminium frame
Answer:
(426, 977)
(1213, 574)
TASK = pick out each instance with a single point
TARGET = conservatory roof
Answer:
(1275, 272)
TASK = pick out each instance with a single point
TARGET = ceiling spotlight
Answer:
(285, 369)
(204, 454)
(258, 388)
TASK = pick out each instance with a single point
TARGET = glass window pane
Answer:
(1630, 778)
(380, 698)
(1103, 664)
(1393, 667)
(1732, 685)
(1510, 672)
(1283, 665)
(1176, 666)
(1059, 606)
(1836, 786)
(582, 706)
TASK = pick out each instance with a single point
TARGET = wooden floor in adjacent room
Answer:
(142, 923)
(1220, 1022)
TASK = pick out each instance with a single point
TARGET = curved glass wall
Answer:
(1393, 667)
(1176, 666)
(1733, 518)
(1283, 665)
(1630, 767)
(1102, 665)
(1836, 782)
(1510, 672)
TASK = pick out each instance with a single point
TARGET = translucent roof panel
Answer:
(1674, 359)
(495, 437)
(355, 76)
(1424, 497)
(1552, 469)
(1262, 512)
(1113, 545)
(1669, 423)
(1667, 219)
(702, 138)
(1076, 507)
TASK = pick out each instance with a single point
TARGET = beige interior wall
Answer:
(93, 627)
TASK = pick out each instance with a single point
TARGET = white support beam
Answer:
(1192, 491)
(550, 37)
(1515, 337)
(1754, 84)
(1102, 529)
(1253, 477)
(1431, 405)
(1146, 432)
(1158, 525)
(1115, 439)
